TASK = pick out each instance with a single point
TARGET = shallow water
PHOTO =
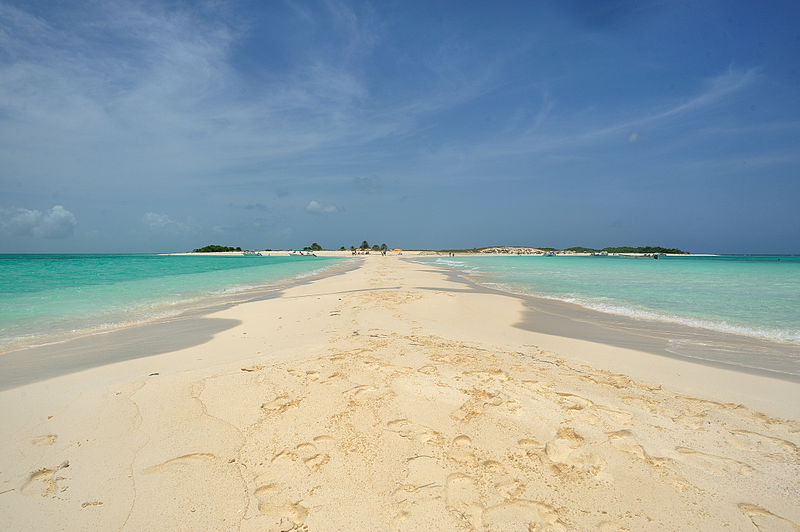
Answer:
(752, 296)
(51, 297)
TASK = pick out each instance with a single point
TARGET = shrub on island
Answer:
(216, 249)
(645, 249)
(628, 249)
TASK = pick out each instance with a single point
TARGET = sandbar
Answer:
(394, 396)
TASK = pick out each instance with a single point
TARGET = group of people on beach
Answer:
(366, 252)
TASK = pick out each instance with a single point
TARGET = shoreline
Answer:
(664, 338)
(391, 396)
(194, 307)
(503, 250)
(548, 316)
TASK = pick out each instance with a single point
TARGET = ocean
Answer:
(47, 298)
(753, 296)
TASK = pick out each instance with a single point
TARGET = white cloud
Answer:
(316, 207)
(633, 138)
(161, 222)
(156, 220)
(58, 222)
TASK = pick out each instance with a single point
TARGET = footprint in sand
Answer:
(420, 492)
(711, 463)
(88, 504)
(624, 440)
(415, 432)
(568, 452)
(506, 485)
(618, 381)
(274, 502)
(622, 417)
(461, 450)
(333, 377)
(365, 393)
(428, 370)
(310, 456)
(488, 376)
(308, 453)
(521, 514)
(752, 441)
(611, 526)
(45, 481)
(305, 376)
(280, 404)
(661, 468)
(763, 519)
(537, 387)
(45, 440)
(576, 403)
(463, 498)
(284, 456)
(483, 400)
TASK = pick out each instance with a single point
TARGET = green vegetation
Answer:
(645, 249)
(216, 249)
(629, 249)
(581, 249)
(313, 247)
(366, 247)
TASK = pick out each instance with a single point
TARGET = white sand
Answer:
(389, 398)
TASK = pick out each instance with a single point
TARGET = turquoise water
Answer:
(754, 296)
(50, 297)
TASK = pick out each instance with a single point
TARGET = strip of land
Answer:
(394, 397)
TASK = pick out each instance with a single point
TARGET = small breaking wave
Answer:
(609, 306)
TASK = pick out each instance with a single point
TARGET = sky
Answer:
(168, 125)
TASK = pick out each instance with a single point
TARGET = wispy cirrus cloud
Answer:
(552, 132)
(158, 99)
(238, 110)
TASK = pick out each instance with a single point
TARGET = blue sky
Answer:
(164, 126)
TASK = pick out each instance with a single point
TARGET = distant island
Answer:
(628, 249)
(576, 249)
(216, 249)
(645, 250)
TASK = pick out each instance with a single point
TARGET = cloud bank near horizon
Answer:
(56, 223)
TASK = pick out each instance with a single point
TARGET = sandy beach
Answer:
(392, 396)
